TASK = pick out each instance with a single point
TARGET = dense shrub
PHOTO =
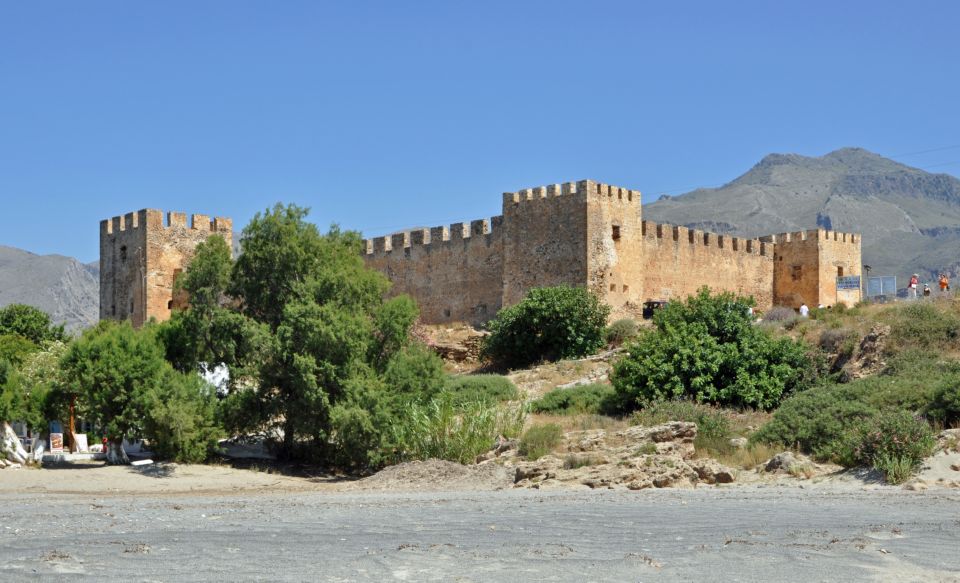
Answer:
(923, 325)
(593, 398)
(488, 388)
(817, 420)
(895, 443)
(621, 331)
(707, 349)
(550, 323)
(178, 418)
(540, 440)
(439, 429)
(944, 405)
(838, 340)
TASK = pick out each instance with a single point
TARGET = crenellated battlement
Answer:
(696, 237)
(581, 189)
(480, 229)
(812, 235)
(587, 233)
(154, 219)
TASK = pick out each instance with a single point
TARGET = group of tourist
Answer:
(913, 288)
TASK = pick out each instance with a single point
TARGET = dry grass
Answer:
(582, 422)
(745, 458)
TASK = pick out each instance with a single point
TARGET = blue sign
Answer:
(848, 282)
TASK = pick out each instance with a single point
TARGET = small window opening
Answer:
(169, 304)
(839, 272)
(131, 306)
(123, 254)
(626, 288)
(613, 287)
(796, 272)
(446, 313)
(616, 232)
(113, 310)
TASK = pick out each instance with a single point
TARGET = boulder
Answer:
(784, 461)
(10, 446)
(712, 472)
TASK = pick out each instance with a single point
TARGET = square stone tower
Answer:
(141, 254)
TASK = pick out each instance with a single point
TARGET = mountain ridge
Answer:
(909, 218)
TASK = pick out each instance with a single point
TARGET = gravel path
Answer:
(745, 534)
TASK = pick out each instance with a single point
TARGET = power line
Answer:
(954, 147)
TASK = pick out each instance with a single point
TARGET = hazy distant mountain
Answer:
(910, 219)
(61, 286)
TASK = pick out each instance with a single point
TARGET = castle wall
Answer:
(678, 261)
(140, 255)
(545, 238)
(615, 266)
(454, 274)
(592, 234)
(807, 266)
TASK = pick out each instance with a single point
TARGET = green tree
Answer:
(112, 366)
(550, 323)
(210, 333)
(332, 348)
(179, 417)
(14, 348)
(30, 323)
(707, 349)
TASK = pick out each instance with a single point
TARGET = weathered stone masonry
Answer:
(592, 234)
(581, 234)
(141, 254)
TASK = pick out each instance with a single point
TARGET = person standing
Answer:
(926, 291)
(944, 284)
(912, 288)
(804, 310)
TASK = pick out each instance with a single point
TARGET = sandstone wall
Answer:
(807, 266)
(455, 274)
(839, 256)
(678, 261)
(123, 267)
(545, 238)
(141, 253)
(615, 266)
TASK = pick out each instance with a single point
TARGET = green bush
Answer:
(593, 398)
(178, 418)
(487, 388)
(707, 349)
(925, 326)
(838, 340)
(817, 420)
(540, 440)
(944, 405)
(895, 443)
(621, 331)
(439, 429)
(550, 323)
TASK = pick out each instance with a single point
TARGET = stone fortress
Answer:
(578, 233)
(141, 254)
(591, 234)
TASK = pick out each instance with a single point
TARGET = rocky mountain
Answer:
(909, 218)
(61, 286)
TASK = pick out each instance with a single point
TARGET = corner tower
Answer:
(141, 253)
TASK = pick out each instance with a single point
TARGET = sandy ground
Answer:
(97, 479)
(720, 534)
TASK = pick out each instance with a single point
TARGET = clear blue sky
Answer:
(386, 115)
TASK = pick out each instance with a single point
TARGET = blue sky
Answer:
(384, 115)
